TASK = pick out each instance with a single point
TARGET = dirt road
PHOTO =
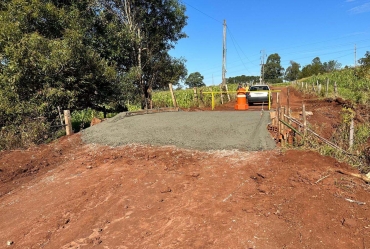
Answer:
(70, 194)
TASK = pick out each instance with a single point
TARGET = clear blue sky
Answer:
(296, 30)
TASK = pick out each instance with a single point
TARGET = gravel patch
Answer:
(208, 130)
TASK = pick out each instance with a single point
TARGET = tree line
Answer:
(273, 72)
(85, 53)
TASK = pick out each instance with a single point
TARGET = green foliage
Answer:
(24, 134)
(273, 70)
(84, 54)
(292, 72)
(364, 70)
(354, 155)
(317, 67)
(243, 79)
(350, 86)
(82, 118)
(195, 80)
(184, 98)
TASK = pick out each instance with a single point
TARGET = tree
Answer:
(331, 66)
(195, 80)
(84, 53)
(154, 27)
(48, 56)
(292, 72)
(273, 70)
(316, 66)
(364, 71)
(365, 62)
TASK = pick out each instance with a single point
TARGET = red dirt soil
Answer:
(67, 194)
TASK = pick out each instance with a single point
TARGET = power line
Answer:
(203, 12)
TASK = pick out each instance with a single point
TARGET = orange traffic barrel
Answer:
(241, 100)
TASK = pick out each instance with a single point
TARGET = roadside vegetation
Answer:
(353, 92)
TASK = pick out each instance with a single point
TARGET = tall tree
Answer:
(155, 26)
(316, 66)
(195, 80)
(292, 72)
(273, 70)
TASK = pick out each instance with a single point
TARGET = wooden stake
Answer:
(327, 87)
(288, 98)
(195, 96)
(222, 96)
(60, 116)
(304, 119)
(67, 120)
(227, 92)
(172, 95)
(278, 123)
(351, 132)
(282, 128)
(335, 89)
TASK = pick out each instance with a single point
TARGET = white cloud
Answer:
(360, 9)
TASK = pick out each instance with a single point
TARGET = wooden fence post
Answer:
(335, 89)
(278, 123)
(327, 87)
(288, 95)
(60, 116)
(67, 120)
(195, 96)
(172, 95)
(282, 128)
(201, 102)
(351, 133)
(304, 119)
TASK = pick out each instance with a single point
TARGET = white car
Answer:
(258, 94)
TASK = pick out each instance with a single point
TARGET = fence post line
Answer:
(67, 120)
(172, 95)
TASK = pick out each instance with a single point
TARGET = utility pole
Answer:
(224, 57)
(262, 75)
